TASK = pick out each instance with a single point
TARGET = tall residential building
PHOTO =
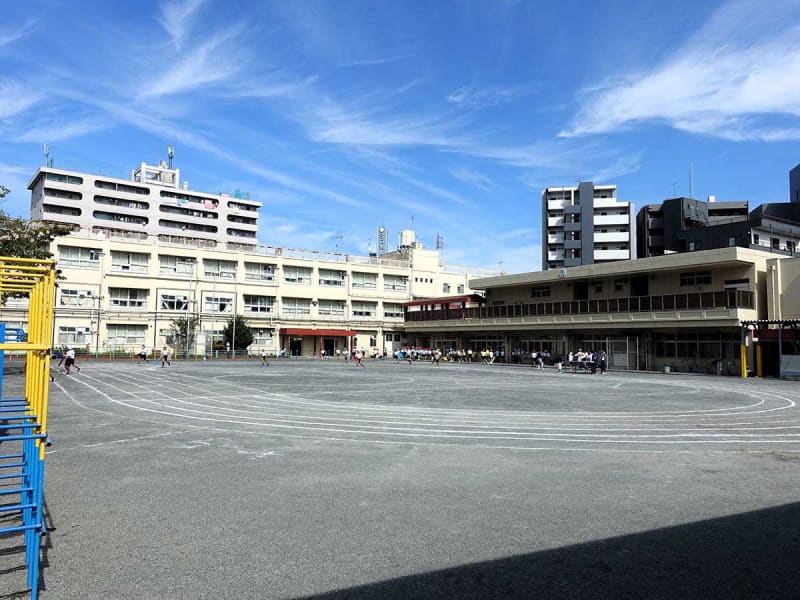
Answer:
(585, 225)
(153, 202)
(667, 227)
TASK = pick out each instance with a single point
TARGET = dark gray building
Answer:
(794, 184)
(671, 226)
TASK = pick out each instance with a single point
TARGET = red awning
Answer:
(319, 332)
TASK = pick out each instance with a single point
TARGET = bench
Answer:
(578, 365)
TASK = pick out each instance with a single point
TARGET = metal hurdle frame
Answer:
(23, 421)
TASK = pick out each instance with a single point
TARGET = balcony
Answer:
(611, 219)
(612, 254)
(729, 299)
(612, 236)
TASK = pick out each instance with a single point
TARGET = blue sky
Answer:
(344, 116)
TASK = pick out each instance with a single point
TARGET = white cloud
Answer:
(214, 61)
(15, 98)
(62, 130)
(176, 18)
(739, 69)
(473, 97)
(16, 33)
(473, 178)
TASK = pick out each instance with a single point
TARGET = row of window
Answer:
(132, 298)
(186, 266)
(179, 197)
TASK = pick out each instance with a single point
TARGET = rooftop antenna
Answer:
(674, 189)
(412, 221)
(337, 238)
(47, 155)
(691, 180)
(439, 241)
(170, 154)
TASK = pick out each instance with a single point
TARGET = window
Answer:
(218, 304)
(77, 297)
(258, 304)
(392, 311)
(776, 243)
(80, 258)
(540, 291)
(331, 308)
(364, 280)
(445, 288)
(127, 297)
(460, 288)
(731, 241)
(755, 238)
(262, 337)
(296, 306)
(395, 283)
(691, 278)
(133, 262)
(63, 178)
(259, 271)
(332, 278)
(364, 309)
(297, 275)
(124, 334)
(182, 266)
(791, 246)
(691, 246)
(74, 335)
(173, 302)
(224, 269)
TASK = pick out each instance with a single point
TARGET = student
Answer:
(142, 355)
(264, 360)
(436, 357)
(165, 356)
(70, 360)
(603, 362)
(357, 359)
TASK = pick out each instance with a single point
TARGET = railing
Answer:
(688, 301)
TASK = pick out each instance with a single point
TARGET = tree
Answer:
(244, 335)
(183, 333)
(22, 238)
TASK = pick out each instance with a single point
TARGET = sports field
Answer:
(316, 479)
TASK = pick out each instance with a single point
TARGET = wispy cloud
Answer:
(16, 98)
(177, 17)
(728, 80)
(218, 59)
(10, 35)
(370, 62)
(473, 178)
(58, 131)
(481, 97)
(623, 165)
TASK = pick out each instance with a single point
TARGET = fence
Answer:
(23, 420)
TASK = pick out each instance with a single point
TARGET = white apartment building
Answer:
(585, 225)
(144, 256)
(153, 202)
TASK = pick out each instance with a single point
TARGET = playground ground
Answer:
(317, 480)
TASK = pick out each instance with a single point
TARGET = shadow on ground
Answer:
(749, 555)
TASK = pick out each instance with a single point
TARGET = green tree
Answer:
(22, 238)
(183, 333)
(244, 335)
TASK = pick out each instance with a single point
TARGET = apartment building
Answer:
(586, 224)
(667, 227)
(153, 202)
(689, 225)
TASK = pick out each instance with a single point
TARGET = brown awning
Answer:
(471, 298)
(319, 332)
